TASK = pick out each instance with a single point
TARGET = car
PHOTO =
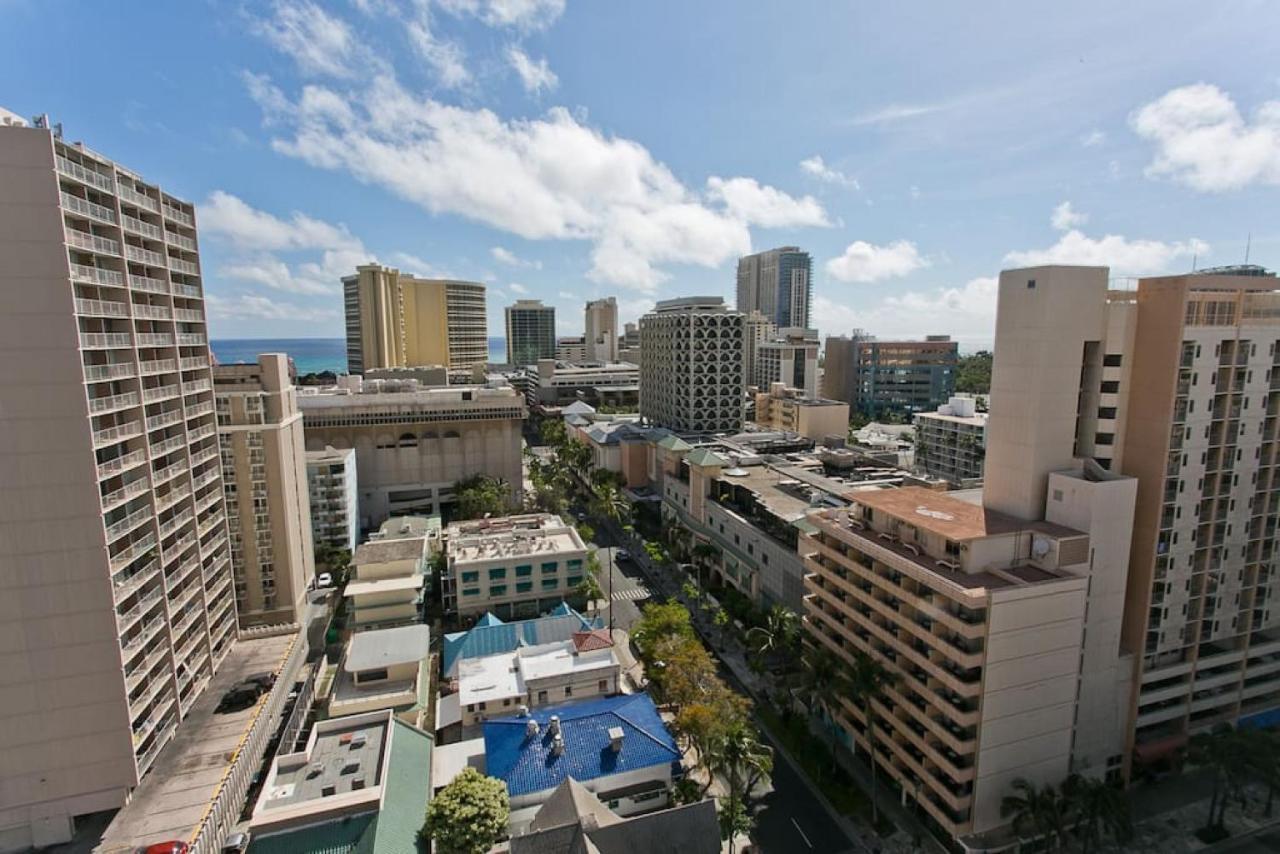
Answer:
(580, 516)
(622, 554)
(324, 579)
(238, 698)
(173, 846)
(263, 680)
(236, 843)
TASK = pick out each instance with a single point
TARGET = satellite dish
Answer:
(1039, 547)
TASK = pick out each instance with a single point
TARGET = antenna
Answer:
(1248, 243)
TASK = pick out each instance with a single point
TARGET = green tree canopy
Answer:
(481, 495)
(659, 621)
(469, 815)
(973, 373)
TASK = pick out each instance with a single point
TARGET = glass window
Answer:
(499, 572)
(470, 577)
(548, 568)
(524, 586)
(572, 564)
(471, 591)
(550, 583)
(524, 570)
(573, 580)
(498, 590)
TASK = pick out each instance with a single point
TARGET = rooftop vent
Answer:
(524, 711)
(554, 726)
(531, 728)
(557, 746)
(615, 738)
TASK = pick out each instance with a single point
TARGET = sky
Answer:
(567, 150)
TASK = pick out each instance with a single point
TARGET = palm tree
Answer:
(738, 757)
(1263, 757)
(589, 589)
(613, 506)
(868, 679)
(779, 633)
(703, 554)
(1226, 752)
(826, 681)
(1100, 809)
(1037, 812)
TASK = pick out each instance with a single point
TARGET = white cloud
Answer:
(1064, 218)
(259, 307)
(750, 201)
(866, 262)
(517, 288)
(1204, 142)
(416, 266)
(1122, 255)
(1093, 138)
(518, 14)
(967, 313)
(547, 178)
(319, 43)
(817, 168)
(444, 56)
(511, 259)
(568, 295)
(534, 76)
(246, 227)
(898, 112)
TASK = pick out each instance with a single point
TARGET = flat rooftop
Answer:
(953, 518)
(174, 796)
(387, 647)
(383, 585)
(386, 551)
(511, 536)
(978, 420)
(344, 758)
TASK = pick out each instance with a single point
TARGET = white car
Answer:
(324, 579)
(622, 554)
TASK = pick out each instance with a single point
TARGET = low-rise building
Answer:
(571, 349)
(388, 576)
(412, 443)
(552, 385)
(491, 636)
(385, 669)
(360, 784)
(573, 820)
(618, 748)
(335, 497)
(952, 442)
(789, 356)
(783, 408)
(515, 566)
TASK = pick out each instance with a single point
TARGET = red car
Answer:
(173, 846)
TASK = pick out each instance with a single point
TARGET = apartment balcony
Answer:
(180, 266)
(196, 386)
(163, 392)
(172, 497)
(157, 366)
(125, 583)
(201, 432)
(204, 454)
(146, 229)
(110, 371)
(152, 312)
(155, 339)
(161, 738)
(192, 363)
(116, 530)
(191, 339)
(114, 499)
(197, 409)
(208, 524)
(133, 675)
(92, 243)
(184, 290)
(208, 476)
(111, 435)
(186, 596)
(188, 315)
(125, 556)
(164, 419)
(172, 213)
(141, 200)
(175, 239)
(148, 284)
(150, 692)
(147, 632)
(126, 619)
(204, 502)
(84, 175)
(97, 275)
(101, 308)
(172, 524)
(121, 464)
(105, 340)
(144, 256)
(84, 207)
(168, 473)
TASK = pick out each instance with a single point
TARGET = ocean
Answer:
(310, 355)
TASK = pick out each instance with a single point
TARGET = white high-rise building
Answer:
(602, 330)
(692, 378)
(114, 566)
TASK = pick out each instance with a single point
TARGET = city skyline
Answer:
(1106, 159)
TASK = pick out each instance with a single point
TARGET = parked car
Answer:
(324, 579)
(173, 846)
(236, 843)
(622, 554)
(240, 697)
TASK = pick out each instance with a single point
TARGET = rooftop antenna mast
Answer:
(1248, 243)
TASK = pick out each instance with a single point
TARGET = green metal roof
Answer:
(704, 457)
(674, 443)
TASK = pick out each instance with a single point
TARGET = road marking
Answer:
(630, 595)
(801, 832)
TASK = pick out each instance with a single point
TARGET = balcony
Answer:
(123, 557)
(111, 371)
(157, 366)
(180, 266)
(172, 497)
(164, 392)
(175, 239)
(155, 339)
(97, 275)
(126, 619)
(152, 312)
(113, 402)
(105, 340)
(92, 243)
(159, 449)
(191, 339)
(124, 493)
(146, 229)
(116, 530)
(111, 435)
(172, 213)
(182, 290)
(202, 408)
(84, 207)
(208, 476)
(143, 256)
(188, 315)
(126, 583)
(192, 363)
(168, 473)
(147, 631)
(164, 419)
(101, 308)
(141, 200)
(148, 284)
(85, 175)
(196, 386)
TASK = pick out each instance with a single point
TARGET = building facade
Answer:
(602, 330)
(387, 581)
(898, 377)
(531, 332)
(778, 283)
(395, 320)
(789, 357)
(552, 385)
(790, 409)
(571, 349)
(757, 329)
(951, 443)
(839, 356)
(113, 542)
(334, 492)
(413, 444)
(692, 378)
(264, 474)
(515, 566)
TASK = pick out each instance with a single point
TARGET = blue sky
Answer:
(569, 150)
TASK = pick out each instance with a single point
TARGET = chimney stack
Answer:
(615, 738)
(554, 726)
(557, 746)
(531, 728)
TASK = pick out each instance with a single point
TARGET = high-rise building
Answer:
(790, 357)
(778, 283)
(602, 330)
(570, 349)
(531, 332)
(900, 377)
(264, 472)
(395, 320)
(629, 344)
(692, 376)
(757, 329)
(335, 498)
(114, 562)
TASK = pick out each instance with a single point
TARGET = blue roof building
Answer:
(491, 636)
(619, 748)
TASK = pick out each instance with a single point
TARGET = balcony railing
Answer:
(191, 339)
(202, 408)
(159, 449)
(122, 558)
(140, 199)
(170, 212)
(164, 419)
(155, 339)
(176, 239)
(178, 265)
(157, 366)
(85, 175)
(144, 256)
(164, 392)
(194, 386)
(186, 290)
(124, 493)
(111, 371)
(120, 464)
(138, 226)
(113, 402)
(148, 284)
(152, 312)
(189, 315)
(101, 308)
(97, 275)
(111, 435)
(88, 208)
(118, 529)
(92, 243)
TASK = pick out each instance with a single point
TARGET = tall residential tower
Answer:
(692, 378)
(531, 332)
(602, 330)
(778, 283)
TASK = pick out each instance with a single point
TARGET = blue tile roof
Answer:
(528, 765)
(492, 636)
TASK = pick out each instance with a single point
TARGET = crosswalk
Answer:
(629, 595)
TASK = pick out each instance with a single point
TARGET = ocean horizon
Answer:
(309, 355)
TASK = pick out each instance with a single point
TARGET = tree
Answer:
(614, 507)
(721, 619)
(742, 762)
(481, 496)
(826, 681)
(1039, 812)
(779, 634)
(735, 821)
(553, 432)
(1099, 809)
(1264, 760)
(704, 554)
(658, 621)
(973, 373)
(1226, 752)
(589, 590)
(867, 680)
(469, 815)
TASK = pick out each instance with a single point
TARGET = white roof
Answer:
(449, 760)
(387, 647)
(448, 710)
(383, 585)
(556, 659)
(493, 677)
(497, 677)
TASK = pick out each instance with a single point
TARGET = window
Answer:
(469, 577)
(1108, 412)
(499, 572)
(548, 568)
(550, 583)
(1057, 496)
(1106, 438)
(506, 702)
(542, 696)
(573, 580)
(524, 586)
(571, 564)
(522, 571)
(1111, 360)
(471, 591)
(568, 690)
(497, 590)
(602, 686)
(1110, 387)
(1031, 284)
(371, 675)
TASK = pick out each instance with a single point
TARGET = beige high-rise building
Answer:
(692, 376)
(395, 320)
(115, 575)
(602, 330)
(264, 472)
(757, 329)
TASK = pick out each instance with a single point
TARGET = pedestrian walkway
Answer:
(630, 595)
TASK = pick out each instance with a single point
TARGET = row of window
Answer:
(499, 590)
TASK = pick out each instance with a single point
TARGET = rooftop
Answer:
(386, 551)
(343, 757)
(330, 455)
(401, 527)
(495, 636)
(506, 674)
(528, 763)
(941, 514)
(511, 536)
(383, 585)
(387, 647)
